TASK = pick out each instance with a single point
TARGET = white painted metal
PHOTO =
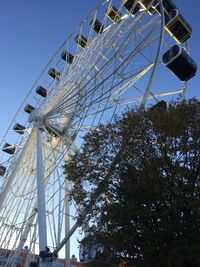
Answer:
(41, 194)
(12, 176)
(158, 55)
(67, 221)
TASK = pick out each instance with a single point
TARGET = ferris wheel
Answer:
(124, 53)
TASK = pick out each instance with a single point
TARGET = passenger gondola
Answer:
(54, 74)
(132, 6)
(67, 57)
(180, 63)
(41, 91)
(177, 26)
(97, 26)
(168, 6)
(18, 128)
(28, 108)
(10, 149)
(81, 40)
(147, 4)
(113, 14)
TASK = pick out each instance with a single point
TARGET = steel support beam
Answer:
(41, 195)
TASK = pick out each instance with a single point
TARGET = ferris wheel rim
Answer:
(79, 123)
(51, 60)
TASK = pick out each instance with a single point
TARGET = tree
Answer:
(139, 180)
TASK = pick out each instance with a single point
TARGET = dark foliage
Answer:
(139, 179)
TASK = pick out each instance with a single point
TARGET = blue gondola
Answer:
(168, 6)
(41, 91)
(180, 63)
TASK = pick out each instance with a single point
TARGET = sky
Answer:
(32, 30)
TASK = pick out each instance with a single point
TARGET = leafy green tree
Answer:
(138, 180)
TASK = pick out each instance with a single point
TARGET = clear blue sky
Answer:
(32, 30)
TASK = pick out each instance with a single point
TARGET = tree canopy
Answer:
(138, 178)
